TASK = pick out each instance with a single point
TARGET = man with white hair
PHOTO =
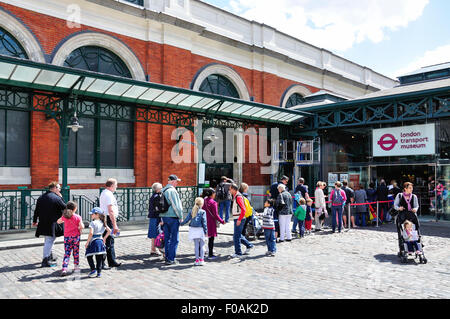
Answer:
(284, 205)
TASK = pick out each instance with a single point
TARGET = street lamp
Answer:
(75, 126)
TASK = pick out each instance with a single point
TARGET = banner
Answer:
(404, 141)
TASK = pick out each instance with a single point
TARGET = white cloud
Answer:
(332, 24)
(439, 55)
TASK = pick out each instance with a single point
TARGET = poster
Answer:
(354, 178)
(332, 178)
(343, 177)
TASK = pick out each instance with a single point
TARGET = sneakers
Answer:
(212, 257)
(247, 250)
(93, 274)
(196, 262)
(64, 272)
(171, 262)
(76, 268)
(271, 254)
(99, 275)
(47, 263)
(235, 256)
(201, 262)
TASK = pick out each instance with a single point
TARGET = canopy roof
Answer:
(58, 79)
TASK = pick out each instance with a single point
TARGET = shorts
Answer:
(153, 227)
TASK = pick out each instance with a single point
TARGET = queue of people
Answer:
(166, 216)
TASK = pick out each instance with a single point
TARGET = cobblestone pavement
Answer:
(361, 263)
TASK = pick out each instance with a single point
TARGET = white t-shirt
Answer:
(107, 198)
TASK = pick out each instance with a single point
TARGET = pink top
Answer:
(344, 196)
(71, 226)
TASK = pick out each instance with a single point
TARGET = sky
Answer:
(392, 37)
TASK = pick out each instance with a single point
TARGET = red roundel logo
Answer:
(387, 142)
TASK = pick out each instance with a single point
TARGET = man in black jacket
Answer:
(49, 208)
(382, 196)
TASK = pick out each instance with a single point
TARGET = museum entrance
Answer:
(422, 176)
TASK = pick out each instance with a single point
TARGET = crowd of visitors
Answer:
(229, 202)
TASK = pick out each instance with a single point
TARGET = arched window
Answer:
(218, 84)
(100, 143)
(295, 99)
(9, 46)
(97, 59)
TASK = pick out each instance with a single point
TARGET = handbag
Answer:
(58, 229)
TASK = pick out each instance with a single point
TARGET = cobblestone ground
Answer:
(361, 263)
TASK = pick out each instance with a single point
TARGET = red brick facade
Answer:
(164, 64)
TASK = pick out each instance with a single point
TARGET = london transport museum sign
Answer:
(405, 140)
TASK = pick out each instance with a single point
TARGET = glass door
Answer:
(442, 189)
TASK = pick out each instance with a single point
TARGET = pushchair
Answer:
(254, 227)
(403, 254)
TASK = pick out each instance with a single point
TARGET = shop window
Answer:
(218, 84)
(294, 100)
(10, 47)
(14, 138)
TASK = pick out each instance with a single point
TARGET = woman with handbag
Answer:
(213, 219)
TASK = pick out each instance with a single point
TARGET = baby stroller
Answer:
(403, 253)
(254, 227)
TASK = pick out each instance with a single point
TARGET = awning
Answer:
(47, 77)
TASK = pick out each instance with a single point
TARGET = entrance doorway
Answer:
(214, 172)
(422, 176)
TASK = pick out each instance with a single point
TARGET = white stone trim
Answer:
(23, 36)
(87, 176)
(300, 89)
(227, 72)
(15, 176)
(104, 41)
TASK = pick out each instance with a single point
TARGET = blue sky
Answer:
(392, 37)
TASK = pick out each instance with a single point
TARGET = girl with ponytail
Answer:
(197, 230)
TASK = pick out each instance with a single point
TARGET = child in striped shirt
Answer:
(269, 227)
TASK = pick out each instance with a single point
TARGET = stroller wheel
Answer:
(424, 260)
(404, 260)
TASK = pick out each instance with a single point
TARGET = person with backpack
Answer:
(274, 195)
(171, 213)
(284, 205)
(350, 193)
(301, 191)
(223, 197)
(243, 189)
(321, 208)
(338, 199)
(238, 210)
(154, 208)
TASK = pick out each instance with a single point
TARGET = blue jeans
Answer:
(171, 236)
(336, 210)
(269, 234)
(238, 238)
(225, 204)
(294, 224)
(361, 217)
(301, 228)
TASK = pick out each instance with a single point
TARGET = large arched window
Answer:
(295, 99)
(218, 84)
(9, 46)
(100, 143)
(97, 59)
(14, 125)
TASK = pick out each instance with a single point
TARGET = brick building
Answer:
(186, 44)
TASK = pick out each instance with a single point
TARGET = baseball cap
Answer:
(174, 178)
(96, 210)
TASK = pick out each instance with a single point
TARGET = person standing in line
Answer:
(95, 244)
(197, 230)
(153, 215)
(274, 195)
(309, 216)
(212, 218)
(269, 227)
(382, 196)
(49, 208)
(372, 197)
(223, 197)
(320, 203)
(284, 205)
(171, 219)
(73, 225)
(238, 212)
(108, 204)
(349, 192)
(300, 213)
(243, 189)
(301, 189)
(361, 210)
(338, 199)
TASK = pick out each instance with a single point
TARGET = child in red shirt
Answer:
(73, 225)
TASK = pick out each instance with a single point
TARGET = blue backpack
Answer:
(337, 198)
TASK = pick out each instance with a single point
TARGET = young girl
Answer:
(198, 229)
(95, 245)
(212, 218)
(300, 213)
(411, 237)
(309, 216)
(269, 227)
(73, 225)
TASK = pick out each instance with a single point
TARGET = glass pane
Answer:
(17, 138)
(100, 86)
(9, 46)
(190, 101)
(5, 70)
(261, 113)
(107, 143)
(68, 80)
(86, 143)
(125, 144)
(151, 94)
(2, 137)
(25, 74)
(135, 92)
(166, 97)
(118, 89)
(48, 77)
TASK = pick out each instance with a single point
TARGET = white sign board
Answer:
(201, 173)
(404, 141)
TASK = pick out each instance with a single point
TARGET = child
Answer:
(269, 227)
(411, 237)
(300, 213)
(73, 225)
(197, 230)
(309, 216)
(95, 245)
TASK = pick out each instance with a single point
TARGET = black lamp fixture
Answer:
(75, 125)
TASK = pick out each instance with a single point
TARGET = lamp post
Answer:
(65, 128)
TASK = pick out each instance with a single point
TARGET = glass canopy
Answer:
(51, 78)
